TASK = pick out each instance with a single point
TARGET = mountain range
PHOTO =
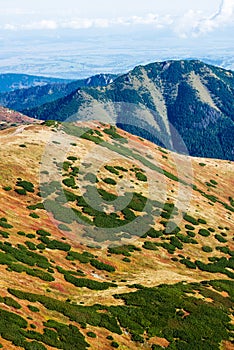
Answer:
(35, 96)
(186, 106)
(14, 81)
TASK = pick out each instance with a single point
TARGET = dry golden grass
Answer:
(149, 268)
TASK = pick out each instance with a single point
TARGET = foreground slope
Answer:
(83, 270)
(193, 97)
(10, 117)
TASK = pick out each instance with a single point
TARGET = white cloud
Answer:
(44, 24)
(9, 27)
(194, 23)
(187, 24)
(41, 25)
(83, 23)
(16, 11)
(150, 19)
(222, 17)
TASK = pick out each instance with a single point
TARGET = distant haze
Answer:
(77, 39)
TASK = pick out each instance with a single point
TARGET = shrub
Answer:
(107, 196)
(88, 136)
(72, 158)
(21, 191)
(185, 239)
(54, 244)
(101, 266)
(165, 215)
(112, 131)
(214, 182)
(202, 221)
(120, 168)
(128, 214)
(4, 223)
(91, 335)
(220, 238)
(69, 182)
(109, 337)
(150, 245)
(175, 242)
(30, 245)
(188, 263)
(34, 215)
(43, 233)
(111, 169)
(21, 233)
(50, 123)
(203, 232)
(36, 206)
(71, 197)
(83, 258)
(141, 177)
(30, 235)
(66, 165)
(41, 246)
(110, 181)
(11, 302)
(137, 202)
(90, 284)
(75, 171)
(124, 249)
(153, 233)
(7, 188)
(28, 186)
(207, 249)
(169, 247)
(189, 227)
(190, 219)
(4, 234)
(33, 308)
(190, 234)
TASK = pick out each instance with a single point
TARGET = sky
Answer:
(185, 18)
(124, 25)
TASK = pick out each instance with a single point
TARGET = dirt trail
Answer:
(18, 130)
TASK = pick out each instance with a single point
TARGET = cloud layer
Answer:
(190, 24)
(84, 23)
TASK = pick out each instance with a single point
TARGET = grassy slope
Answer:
(147, 267)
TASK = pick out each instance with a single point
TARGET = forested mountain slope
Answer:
(194, 98)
